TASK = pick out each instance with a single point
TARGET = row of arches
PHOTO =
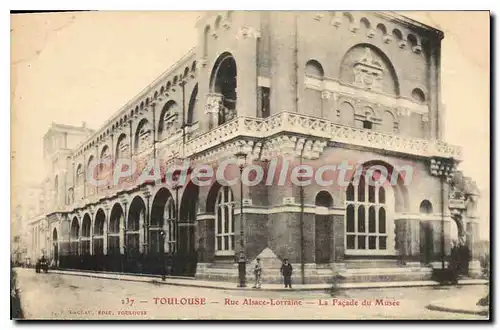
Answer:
(189, 71)
(364, 24)
(368, 221)
(169, 122)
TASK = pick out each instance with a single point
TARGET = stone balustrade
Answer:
(321, 128)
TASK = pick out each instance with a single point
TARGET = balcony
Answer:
(320, 128)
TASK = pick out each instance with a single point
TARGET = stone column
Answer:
(92, 224)
(472, 237)
(142, 231)
(105, 233)
(123, 228)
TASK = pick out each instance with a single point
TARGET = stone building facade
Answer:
(280, 87)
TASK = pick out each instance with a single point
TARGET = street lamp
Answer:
(241, 158)
(176, 187)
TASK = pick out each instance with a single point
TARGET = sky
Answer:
(71, 68)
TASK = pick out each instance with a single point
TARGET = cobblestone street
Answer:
(56, 296)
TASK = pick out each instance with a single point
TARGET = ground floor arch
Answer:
(55, 246)
(74, 237)
(134, 239)
(323, 228)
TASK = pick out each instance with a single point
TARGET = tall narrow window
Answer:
(170, 218)
(224, 213)
(265, 94)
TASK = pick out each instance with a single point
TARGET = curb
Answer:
(218, 285)
(457, 310)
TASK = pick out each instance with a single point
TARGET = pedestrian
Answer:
(258, 273)
(286, 271)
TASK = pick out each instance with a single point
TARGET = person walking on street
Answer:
(258, 273)
(286, 271)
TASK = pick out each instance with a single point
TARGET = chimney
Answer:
(84, 124)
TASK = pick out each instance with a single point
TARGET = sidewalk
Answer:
(458, 304)
(192, 282)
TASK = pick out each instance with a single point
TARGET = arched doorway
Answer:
(324, 228)
(73, 237)
(98, 237)
(114, 230)
(134, 231)
(162, 232)
(55, 247)
(162, 225)
(186, 229)
(85, 257)
(426, 233)
(85, 236)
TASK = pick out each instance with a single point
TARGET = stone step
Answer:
(371, 263)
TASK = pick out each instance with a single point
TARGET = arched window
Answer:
(169, 120)
(365, 222)
(418, 95)
(205, 40)
(224, 224)
(91, 173)
(346, 114)
(192, 105)
(223, 87)
(122, 148)
(314, 69)
(171, 225)
(426, 207)
(71, 196)
(143, 138)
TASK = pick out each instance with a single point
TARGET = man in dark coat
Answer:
(286, 271)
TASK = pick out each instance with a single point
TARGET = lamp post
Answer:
(241, 157)
(177, 186)
(443, 168)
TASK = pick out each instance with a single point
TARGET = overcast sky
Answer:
(74, 67)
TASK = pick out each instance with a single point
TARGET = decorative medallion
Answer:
(368, 72)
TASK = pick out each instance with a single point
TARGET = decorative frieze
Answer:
(387, 38)
(336, 21)
(326, 95)
(318, 17)
(247, 32)
(417, 49)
